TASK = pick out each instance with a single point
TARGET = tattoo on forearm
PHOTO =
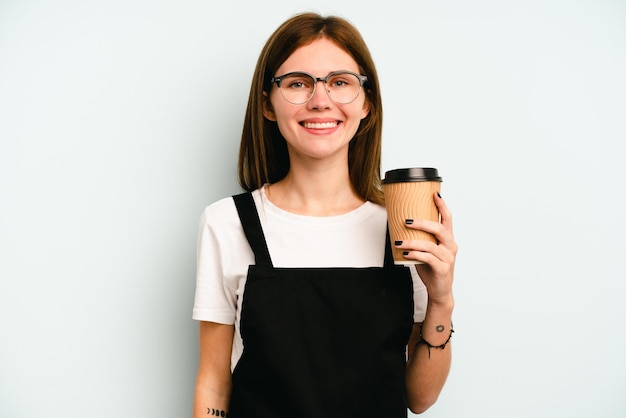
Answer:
(216, 412)
(440, 328)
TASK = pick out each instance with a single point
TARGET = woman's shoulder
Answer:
(376, 208)
(373, 211)
(222, 207)
(222, 212)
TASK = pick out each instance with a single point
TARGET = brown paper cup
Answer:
(409, 194)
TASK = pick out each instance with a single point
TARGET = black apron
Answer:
(320, 342)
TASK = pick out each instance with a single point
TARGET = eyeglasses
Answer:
(343, 87)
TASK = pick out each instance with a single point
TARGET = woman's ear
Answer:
(366, 109)
(268, 110)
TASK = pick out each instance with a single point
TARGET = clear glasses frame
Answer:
(278, 81)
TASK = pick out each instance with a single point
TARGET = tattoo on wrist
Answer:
(439, 328)
(216, 412)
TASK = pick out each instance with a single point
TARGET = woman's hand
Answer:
(437, 272)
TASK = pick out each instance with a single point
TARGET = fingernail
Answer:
(438, 194)
(405, 253)
(409, 221)
(397, 242)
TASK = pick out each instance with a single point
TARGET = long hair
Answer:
(263, 155)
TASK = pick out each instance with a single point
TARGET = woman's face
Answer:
(319, 128)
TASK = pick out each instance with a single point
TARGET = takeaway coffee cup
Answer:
(409, 194)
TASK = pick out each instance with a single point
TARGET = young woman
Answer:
(302, 311)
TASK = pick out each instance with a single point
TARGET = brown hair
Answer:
(263, 155)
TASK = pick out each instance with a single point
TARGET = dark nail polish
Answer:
(405, 253)
(397, 243)
(409, 221)
(439, 194)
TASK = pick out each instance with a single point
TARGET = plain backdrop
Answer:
(120, 122)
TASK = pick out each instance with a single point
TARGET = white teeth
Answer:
(322, 125)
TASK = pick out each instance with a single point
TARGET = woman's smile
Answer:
(320, 125)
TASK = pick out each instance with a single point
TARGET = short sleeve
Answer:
(420, 297)
(215, 299)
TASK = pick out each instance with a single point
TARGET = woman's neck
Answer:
(315, 191)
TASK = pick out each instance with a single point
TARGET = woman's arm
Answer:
(429, 346)
(213, 384)
(427, 368)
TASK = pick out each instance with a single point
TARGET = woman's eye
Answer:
(297, 83)
(340, 83)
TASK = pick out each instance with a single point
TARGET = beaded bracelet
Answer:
(429, 345)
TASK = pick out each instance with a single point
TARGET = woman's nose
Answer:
(320, 98)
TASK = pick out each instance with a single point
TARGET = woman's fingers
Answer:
(444, 250)
(444, 211)
(426, 251)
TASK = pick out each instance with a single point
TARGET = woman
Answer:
(302, 312)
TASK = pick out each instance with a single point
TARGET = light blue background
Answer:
(120, 121)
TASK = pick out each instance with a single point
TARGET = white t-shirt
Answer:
(354, 239)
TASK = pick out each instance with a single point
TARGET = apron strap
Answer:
(251, 223)
(388, 254)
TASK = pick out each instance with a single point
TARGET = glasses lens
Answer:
(297, 88)
(343, 87)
